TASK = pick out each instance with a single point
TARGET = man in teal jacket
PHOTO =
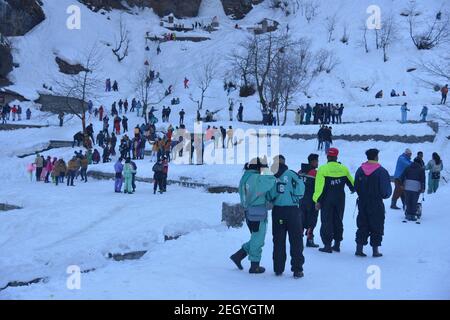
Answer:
(254, 187)
(286, 218)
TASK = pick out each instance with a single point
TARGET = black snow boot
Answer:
(255, 268)
(337, 246)
(359, 251)
(376, 253)
(326, 248)
(394, 206)
(310, 243)
(298, 274)
(238, 257)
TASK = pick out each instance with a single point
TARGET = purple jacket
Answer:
(118, 167)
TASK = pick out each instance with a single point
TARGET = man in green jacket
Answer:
(286, 218)
(128, 172)
(329, 196)
(254, 187)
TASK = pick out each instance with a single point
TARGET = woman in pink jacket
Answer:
(48, 168)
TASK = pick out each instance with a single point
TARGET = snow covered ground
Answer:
(63, 226)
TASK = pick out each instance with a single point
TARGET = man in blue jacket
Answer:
(373, 184)
(404, 161)
(286, 195)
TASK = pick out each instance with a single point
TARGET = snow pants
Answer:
(128, 184)
(411, 200)
(398, 192)
(331, 216)
(309, 217)
(38, 173)
(433, 185)
(370, 222)
(254, 246)
(118, 182)
(287, 220)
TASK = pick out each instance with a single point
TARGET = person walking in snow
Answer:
(19, 113)
(61, 118)
(39, 162)
(230, 109)
(182, 113)
(138, 108)
(115, 86)
(434, 166)
(404, 110)
(373, 184)
(158, 176)
(403, 161)
(424, 113)
(28, 114)
(240, 113)
(186, 83)
(329, 197)
(413, 182)
(286, 195)
(125, 124)
(308, 210)
(108, 85)
(118, 168)
(72, 168)
(254, 188)
(84, 163)
(444, 92)
(128, 172)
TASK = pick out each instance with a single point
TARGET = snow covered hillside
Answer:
(85, 225)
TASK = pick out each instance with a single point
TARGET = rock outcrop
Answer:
(6, 64)
(180, 8)
(20, 16)
(237, 9)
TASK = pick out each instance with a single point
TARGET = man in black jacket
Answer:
(307, 207)
(413, 181)
(373, 184)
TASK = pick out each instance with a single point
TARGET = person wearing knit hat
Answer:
(254, 189)
(286, 196)
(329, 197)
(403, 162)
(373, 184)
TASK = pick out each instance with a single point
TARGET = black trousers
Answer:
(157, 182)
(411, 200)
(38, 173)
(370, 222)
(331, 216)
(70, 177)
(309, 217)
(133, 181)
(287, 220)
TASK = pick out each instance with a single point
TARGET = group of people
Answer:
(114, 86)
(13, 113)
(410, 181)
(297, 198)
(404, 113)
(57, 170)
(326, 113)
(324, 138)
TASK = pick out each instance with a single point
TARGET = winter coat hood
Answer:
(370, 167)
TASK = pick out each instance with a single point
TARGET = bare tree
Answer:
(324, 60)
(331, 26)
(435, 30)
(311, 9)
(204, 76)
(241, 68)
(82, 86)
(364, 42)
(345, 36)
(388, 35)
(434, 71)
(150, 91)
(122, 45)
(291, 72)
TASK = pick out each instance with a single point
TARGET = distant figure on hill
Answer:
(379, 94)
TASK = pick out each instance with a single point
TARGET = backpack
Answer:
(158, 168)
